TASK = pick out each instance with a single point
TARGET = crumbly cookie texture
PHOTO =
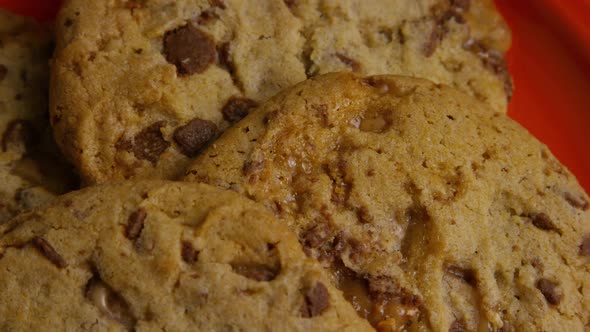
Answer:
(430, 209)
(141, 86)
(31, 172)
(162, 256)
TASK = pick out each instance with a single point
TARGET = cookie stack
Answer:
(279, 165)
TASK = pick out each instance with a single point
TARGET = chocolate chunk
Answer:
(353, 64)
(440, 29)
(317, 300)
(458, 326)
(135, 224)
(290, 3)
(237, 108)
(256, 272)
(466, 274)
(252, 166)
(3, 72)
(193, 136)
(578, 202)
(493, 60)
(585, 246)
(189, 254)
(148, 144)
(189, 49)
(19, 136)
(549, 290)
(109, 303)
(49, 252)
(542, 221)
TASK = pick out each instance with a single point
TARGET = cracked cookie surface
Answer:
(162, 256)
(429, 209)
(32, 171)
(140, 86)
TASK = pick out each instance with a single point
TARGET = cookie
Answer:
(31, 171)
(430, 209)
(161, 256)
(141, 86)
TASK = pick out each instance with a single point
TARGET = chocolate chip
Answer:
(353, 64)
(189, 49)
(189, 254)
(19, 136)
(466, 274)
(135, 224)
(543, 222)
(193, 136)
(3, 72)
(585, 246)
(317, 300)
(49, 252)
(256, 272)
(436, 37)
(148, 144)
(549, 290)
(237, 108)
(579, 202)
(494, 61)
(458, 326)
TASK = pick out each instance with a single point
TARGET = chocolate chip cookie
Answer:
(30, 168)
(430, 209)
(141, 86)
(162, 256)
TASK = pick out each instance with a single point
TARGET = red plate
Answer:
(549, 60)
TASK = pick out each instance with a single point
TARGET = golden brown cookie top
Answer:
(429, 208)
(155, 256)
(141, 86)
